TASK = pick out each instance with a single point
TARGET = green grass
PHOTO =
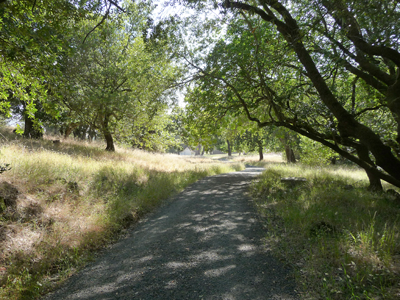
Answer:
(343, 242)
(75, 198)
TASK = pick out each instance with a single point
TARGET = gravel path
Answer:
(205, 244)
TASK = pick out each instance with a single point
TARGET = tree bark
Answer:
(198, 150)
(229, 148)
(108, 135)
(70, 128)
(260, 151)
(80, 132)
(29, 130)
(110, 142)
(375, 184)
(91, 134)
(290, 157)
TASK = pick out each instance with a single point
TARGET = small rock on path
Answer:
(205, 244)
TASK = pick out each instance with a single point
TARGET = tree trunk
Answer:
(375, 184)
(107, 134)
(70, 128)
(229, 148)
(80, 132)
(260, 151)
(198, 150)
(91, 134)
(290, 158)
(110, 142)
(29, 129)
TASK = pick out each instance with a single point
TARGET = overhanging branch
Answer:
(98, 24)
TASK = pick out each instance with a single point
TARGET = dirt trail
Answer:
(205, 244)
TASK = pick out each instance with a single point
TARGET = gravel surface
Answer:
(206, 243)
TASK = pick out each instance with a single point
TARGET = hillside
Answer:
(60, 202)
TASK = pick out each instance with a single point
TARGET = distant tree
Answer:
(113, 77)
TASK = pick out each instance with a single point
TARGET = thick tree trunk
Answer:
(110, 142)
(229, 148)
(260, 151)
(374, 181)
(290, 157)
(29, 130)
(107, 134)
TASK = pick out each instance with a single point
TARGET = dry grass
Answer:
(74, 198)
(343, 241)
(268, 158)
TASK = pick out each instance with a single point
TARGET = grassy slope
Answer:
(343, 241)
(73, 199)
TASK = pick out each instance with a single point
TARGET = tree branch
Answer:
(116, 5)
(98, 24)
(369, 109)
(345, 154)
(363, 62)
(349, 24)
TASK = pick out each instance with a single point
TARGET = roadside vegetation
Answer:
(342, 241)
(62, 202)
(297, 77)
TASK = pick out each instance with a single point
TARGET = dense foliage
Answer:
(88, 64)
(326, 70)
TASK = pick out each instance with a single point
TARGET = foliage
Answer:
(324, 70)
(315, 154)
(113, 82)
(149, 132)
(31, 40)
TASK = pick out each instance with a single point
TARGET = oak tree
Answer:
(328, 70)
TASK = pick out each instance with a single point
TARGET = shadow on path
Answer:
(206, 244)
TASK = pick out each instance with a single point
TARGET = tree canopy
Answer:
(113, 76)
(326, 70)
(98, 63)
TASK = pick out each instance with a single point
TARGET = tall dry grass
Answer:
(342, 241)
(73, 199)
